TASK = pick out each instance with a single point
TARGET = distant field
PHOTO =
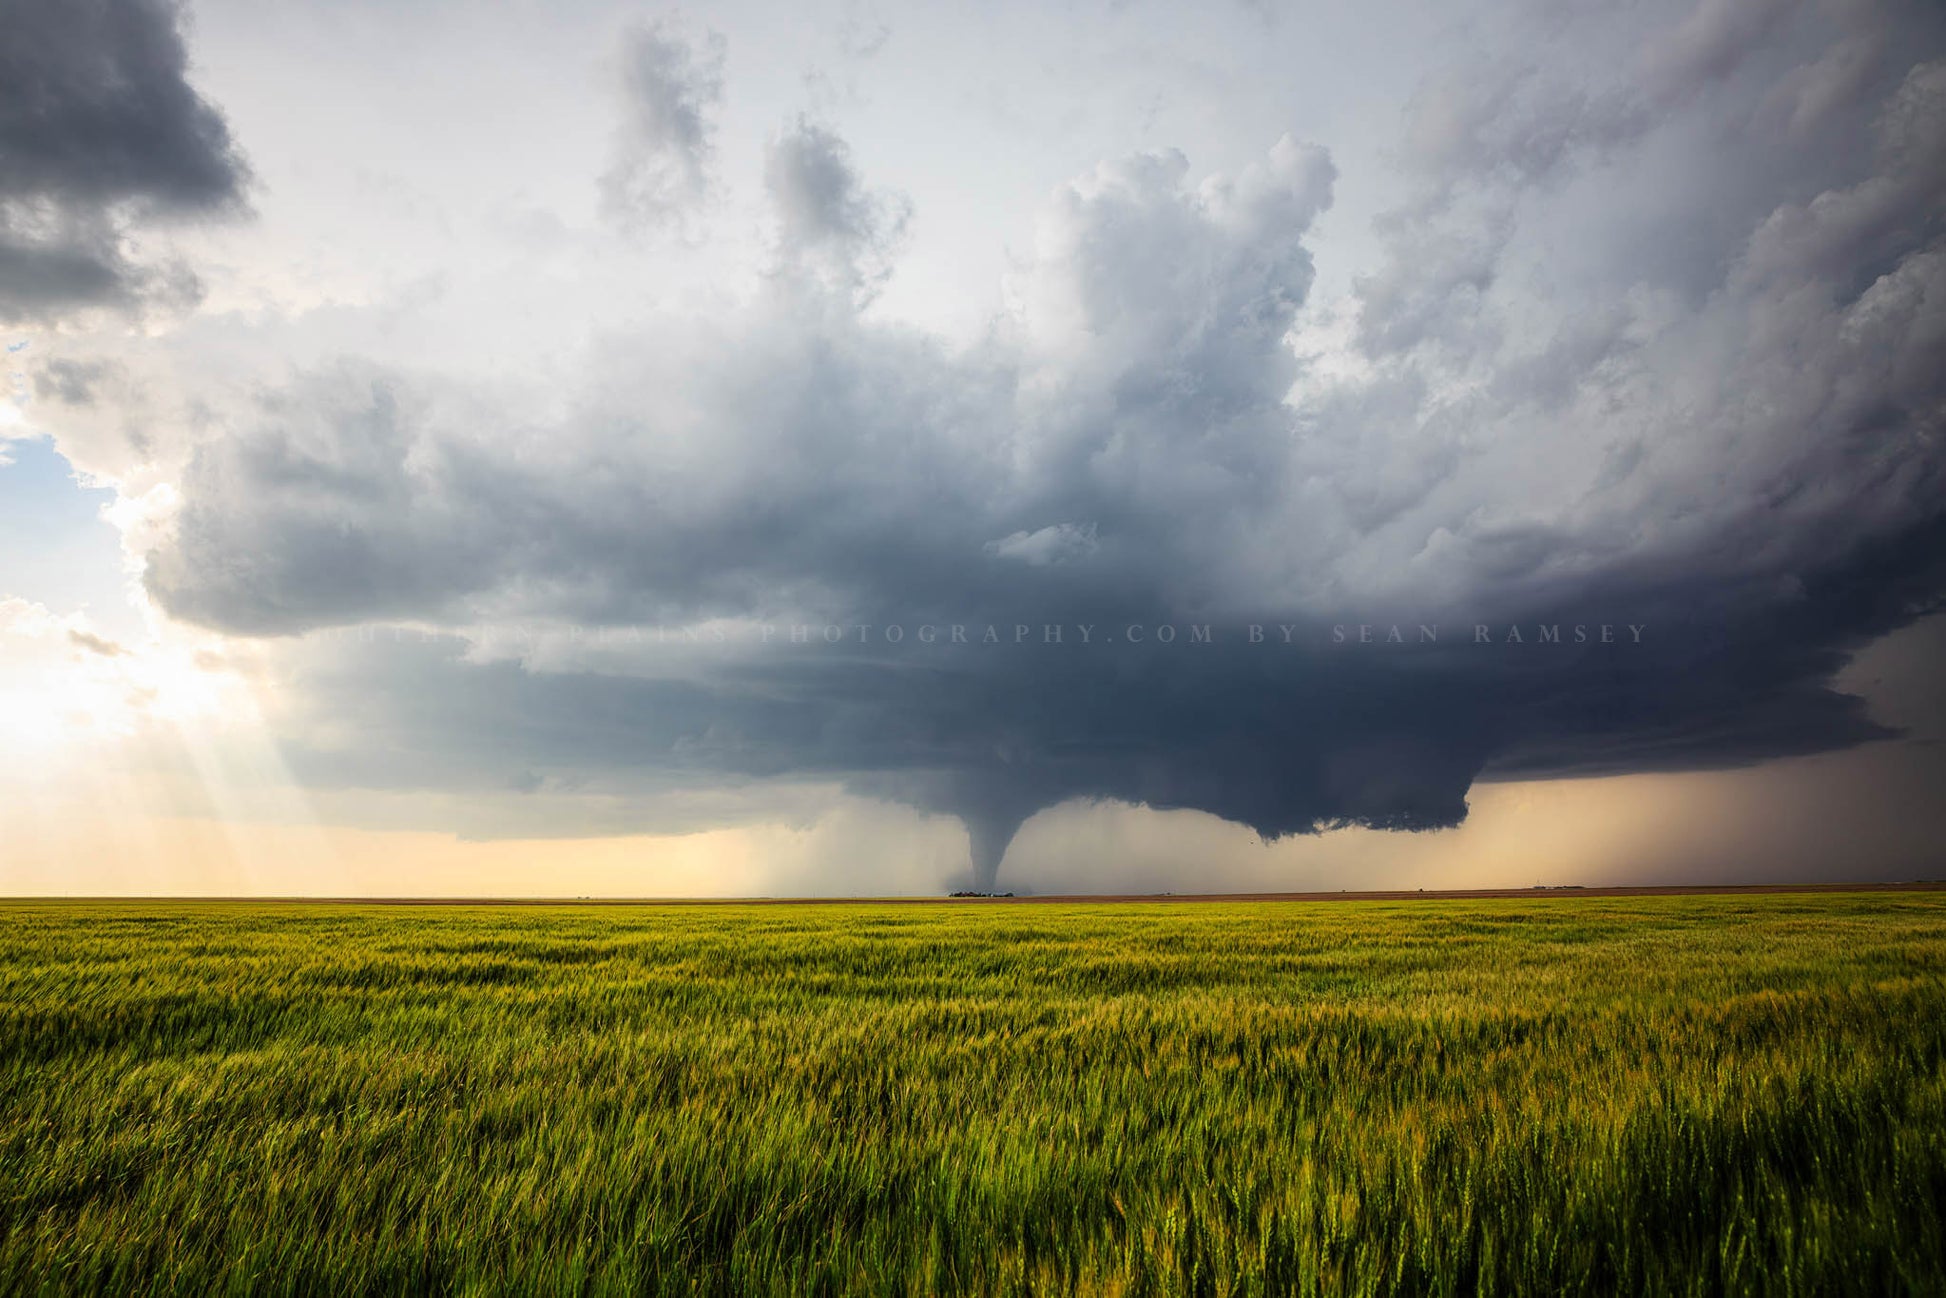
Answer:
(1539, 1095)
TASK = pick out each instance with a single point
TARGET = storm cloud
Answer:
(100, 132)
(665, 148)
(833, 233)
(1650, 344)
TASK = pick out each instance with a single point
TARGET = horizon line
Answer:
(1563, 890)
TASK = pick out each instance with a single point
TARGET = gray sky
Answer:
(588, 425)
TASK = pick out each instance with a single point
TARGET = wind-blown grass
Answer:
(1689, 1095)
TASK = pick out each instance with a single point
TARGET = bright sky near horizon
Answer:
(423, 426)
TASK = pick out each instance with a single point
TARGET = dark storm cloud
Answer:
(664, 152)
(99, 127)
(1576, 392)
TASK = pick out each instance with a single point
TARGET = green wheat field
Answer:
(1724, 1094)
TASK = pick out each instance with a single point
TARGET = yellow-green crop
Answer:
(1687, 1095)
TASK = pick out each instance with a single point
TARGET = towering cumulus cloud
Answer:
(1649, 345)
(99, 129)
